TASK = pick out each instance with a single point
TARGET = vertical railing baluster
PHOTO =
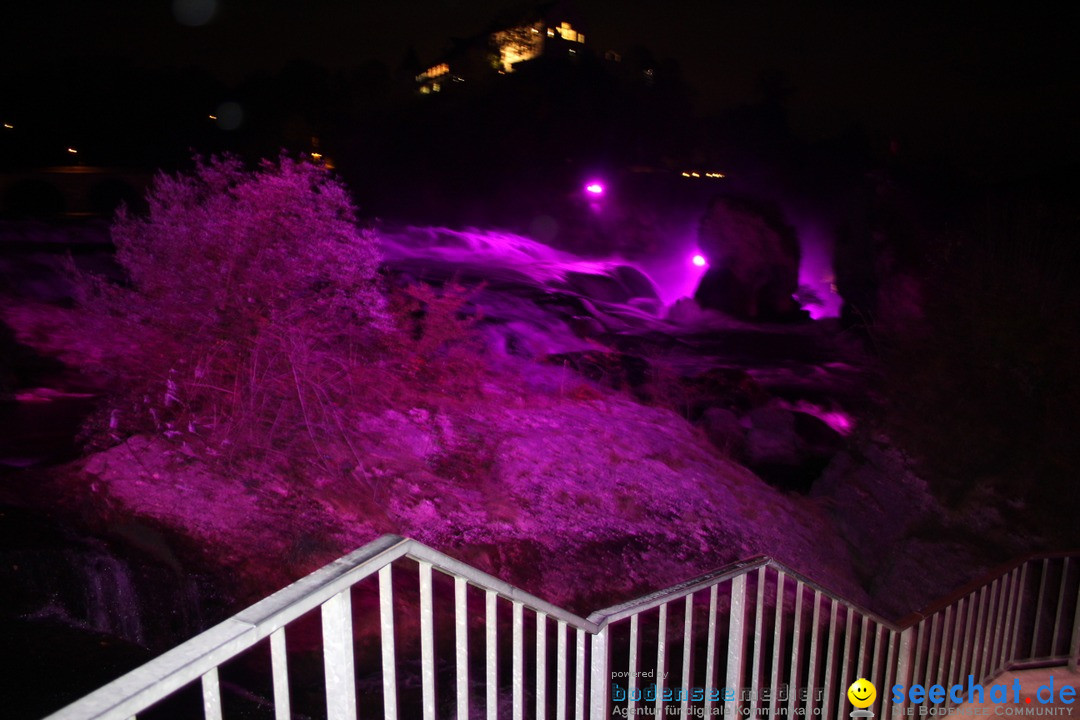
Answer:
(796, 647)
(211, 693)
(427, 644)
(661, 657)
(1074, 642)
(461, 645)
(917, 664)
(1010, 600)
(845, 663)
(632, 665)
(811, 677)
(279, 672)
(999, 624)
(579, 677)
(1021, 593)
(386, 636)
(491, 648)
(517, 679)
(710, 648)
(898, 657)
(932, 655)
(560, 671)
(883, 662)
(954, 656)
(943, 650)
(980, 622)
(881, 650)
(338, 664)
(864, 647)
(688, 641)
(965, 665)
(830, 661)
(984, 650)
(541, 665)
(759, 642)
(778, 646)
(880, 659)
(601, 675)
(1060, 609)
(736, 642)
(1038, 610)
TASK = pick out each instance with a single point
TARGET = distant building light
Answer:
(9, 126)
(212, 117)
(568, 33)
(551, 33)
(517, 44)
(73, 151)
(433, 72)
(686, 174)
(316, 156)
(695, 174)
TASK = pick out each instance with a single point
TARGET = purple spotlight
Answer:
(698, 260)
(594, 188)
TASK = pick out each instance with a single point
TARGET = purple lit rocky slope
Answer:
(574, 434)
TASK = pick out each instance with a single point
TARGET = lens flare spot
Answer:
(594, 188)
(229, 115)
(699, 260)
(194, 13)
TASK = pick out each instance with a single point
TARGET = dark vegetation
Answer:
(984, 390)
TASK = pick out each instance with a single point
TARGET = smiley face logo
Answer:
(862, 693)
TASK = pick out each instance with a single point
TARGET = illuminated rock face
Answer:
(753, 257)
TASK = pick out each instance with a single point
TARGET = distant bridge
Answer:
(70, 191)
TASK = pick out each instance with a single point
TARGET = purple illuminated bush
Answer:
(230, 250)
(252, 298)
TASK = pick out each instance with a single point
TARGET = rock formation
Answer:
(753, 257)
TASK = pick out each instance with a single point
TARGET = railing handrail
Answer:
(936, 606)
(741, 567)
(481, 579)
(162, 676)
(190, 660)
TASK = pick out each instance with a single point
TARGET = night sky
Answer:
(990, 84)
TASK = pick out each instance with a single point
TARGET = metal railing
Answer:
(438, 638)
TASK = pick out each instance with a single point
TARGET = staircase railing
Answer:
(396, 629)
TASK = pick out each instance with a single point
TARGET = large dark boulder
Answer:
(883, 251)
(753, 256)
